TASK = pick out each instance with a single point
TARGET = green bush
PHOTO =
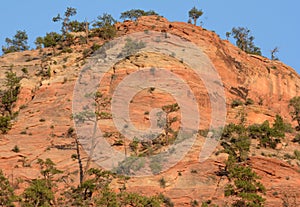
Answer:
(76, 26)
(162, 182)
(95, 47)
(281, 127)
(166, 200)
(10, 94)
(297, 154)
(24, 70)
(38, 194)
(297, 138)
(268, 136)
(16, 149)
(236, 103)
(295, 113)
(104, 27)
(7, 195)
(249, 101)
(245, 186)
(134, 14)
(51, 39)
(4, 124)
(131, 47)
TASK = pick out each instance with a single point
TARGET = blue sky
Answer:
(272, 22)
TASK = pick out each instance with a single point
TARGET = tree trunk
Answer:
(79, 161)
(87, 32)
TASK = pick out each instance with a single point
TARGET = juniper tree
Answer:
(194, 14)
(17, 43)
(244, 40)
(295, 113)
(66, 19)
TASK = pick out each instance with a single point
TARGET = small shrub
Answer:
(166, 200)
(86, 52)
(70, 132)
(194, 171)
(23, 132)
(47, 73)
(274, 67)
(24, 70)
(95, 47)
(151, 89)
(280, 126)
(4, 124)
(16, 149)
(297, 154)
(131, 47)
(288, 156)
(65, 80)
(23, 106)
(67, 50)
(105, 115)
(297, 138)
(236, 103)
(134, 144)
(194, 203)
(74, 156)
(42, 120)
(249, 101)
(65, 59)
(118, 143)
(162, 182)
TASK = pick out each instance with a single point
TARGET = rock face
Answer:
(45, 109)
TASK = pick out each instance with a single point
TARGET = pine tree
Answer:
(295, 113)
(17, 43)
(244, 40)
(7, 196)
(194, 14)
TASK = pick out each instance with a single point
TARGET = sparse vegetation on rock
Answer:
(243, 184)
(134, 14)
(268, 148)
